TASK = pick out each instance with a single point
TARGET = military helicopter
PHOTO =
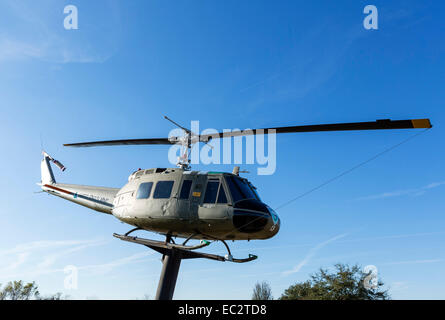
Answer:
(180, 202)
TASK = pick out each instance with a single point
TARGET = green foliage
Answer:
(56, 296)
(345, 283)
(262, 291)
(17, 290)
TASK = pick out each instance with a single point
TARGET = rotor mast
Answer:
(186, 145)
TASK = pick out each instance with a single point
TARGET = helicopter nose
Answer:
(251, 216)
(275, 221)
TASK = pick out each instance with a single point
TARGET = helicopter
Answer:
(182, 203)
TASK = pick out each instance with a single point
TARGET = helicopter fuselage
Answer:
(177, 202)
(204, 205)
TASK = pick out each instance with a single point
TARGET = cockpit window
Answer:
(163, 190)
(144, 190)
(240, 189)
(222, 198)
(211, 191)
(254, 191)
(215, 192)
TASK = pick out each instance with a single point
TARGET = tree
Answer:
(17, 290)
(56, 296)
(345, 283)
(262, 291)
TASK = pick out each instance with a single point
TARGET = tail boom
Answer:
(96, 198)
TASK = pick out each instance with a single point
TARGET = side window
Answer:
(185, 190)
(163, 190)
(211, 191)
(222, 195)
(144, 190)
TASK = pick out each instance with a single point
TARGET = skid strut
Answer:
(172, 257)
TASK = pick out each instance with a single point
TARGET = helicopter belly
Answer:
(182, 227)
(211, 229)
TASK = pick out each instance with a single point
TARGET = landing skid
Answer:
(173, 254)
(187, 251)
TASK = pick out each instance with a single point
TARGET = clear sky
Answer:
(228, 64)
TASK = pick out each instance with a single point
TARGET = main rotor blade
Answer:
(120, 142)
(373, 125)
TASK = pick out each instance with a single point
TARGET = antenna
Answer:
(236, 171)
(178, 125)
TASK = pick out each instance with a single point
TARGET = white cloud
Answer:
(109, 266)
(20, 259)
(50, 259)
(30, 260)
(34, 30)
(398, 285)
(311, 253)
(412, 192)
(414, 261)
(29, 247)
(34, 258)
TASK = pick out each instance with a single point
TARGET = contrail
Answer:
(312, 252)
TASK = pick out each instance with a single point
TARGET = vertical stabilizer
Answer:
(47, 174)
(96, 198)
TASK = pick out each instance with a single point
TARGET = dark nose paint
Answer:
(250, 215)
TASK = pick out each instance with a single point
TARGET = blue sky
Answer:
(230, 64)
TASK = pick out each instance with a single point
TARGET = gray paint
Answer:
(173, 216)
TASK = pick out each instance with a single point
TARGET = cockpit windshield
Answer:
(241, 189)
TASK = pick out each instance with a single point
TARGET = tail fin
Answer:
(96, 198)
(47, 175)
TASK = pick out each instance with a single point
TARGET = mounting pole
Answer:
(169, 275)
(171, 260)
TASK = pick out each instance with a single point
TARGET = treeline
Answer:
(344, 283)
